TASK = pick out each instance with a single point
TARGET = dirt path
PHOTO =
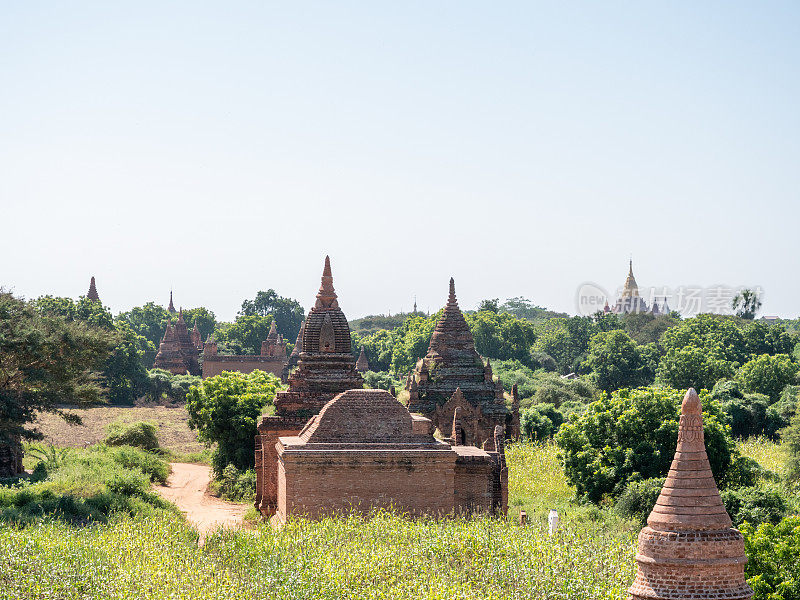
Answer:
(187, 488)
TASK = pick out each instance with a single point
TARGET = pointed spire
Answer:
(92, 293)
(451, 299)
(272, 336)
(171, 307)
(326, 297)
(690, 499)
(362, 364)
(298, 344)
(180, 317)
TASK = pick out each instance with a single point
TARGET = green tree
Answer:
(746, 304)
(490, 305)
(617, 362)
(45, 360)
(501, 335)
(791, 441)
(566, 340)
(768, 375)
(715, 334)
(631, 435)
(245, 334)
(205, 319)
(288, 313)
(413, 338)
(773, 570)
(225, 410)
(377, 346)
(695, 367)
(149, 320)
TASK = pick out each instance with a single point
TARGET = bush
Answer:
(632, 435)
(379, 380)
(755, 505)
(224, 410)
(87, 485)
(638, 499)
(752, 415)
(235, 485)
(163, 385)
(540, 421)
(141, 434)
(773, 570)
(767, 374)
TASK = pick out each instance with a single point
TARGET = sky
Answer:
(523, 148)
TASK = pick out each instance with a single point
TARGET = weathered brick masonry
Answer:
(689, 549)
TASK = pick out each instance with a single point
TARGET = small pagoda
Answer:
(294, 357)
(451, 375)
(92, 293)
(177, 352)
(689, 549)
(325, 368)
(362, 364)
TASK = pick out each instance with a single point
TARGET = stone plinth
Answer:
(364, 450)
(452, 364)
(689, 549)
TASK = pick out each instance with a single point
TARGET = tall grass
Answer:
(765, 452)
(385, 556)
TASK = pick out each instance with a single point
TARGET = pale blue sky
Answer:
(523, 148)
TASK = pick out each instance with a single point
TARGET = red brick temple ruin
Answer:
(325, 368)
(177, 353)
(271, 360)
(362, 364)
(689, 549)
(451, 375)
(294, 357)
(92, 293)
(364, 450)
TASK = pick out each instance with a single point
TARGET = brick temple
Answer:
(452, 375)
(689, 549)
(325, 368)
(92, 293)
(364, 450)
(272, 358)
(294, 357)
(177, 353)
(362, 364)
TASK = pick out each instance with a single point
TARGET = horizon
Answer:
(525, 150)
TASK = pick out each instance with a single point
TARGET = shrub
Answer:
(235, 485)
(773, 570)
(752, 415)
(638, 499)
(379, 380)
(162, 384)
(540, 421)
(755, 505)
(767, 374)
(631, 435)
(224, 410)
(141, 434)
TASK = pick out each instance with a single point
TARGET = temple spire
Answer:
(171, 307)
(451, 299)
(326, 297)
(92, 293)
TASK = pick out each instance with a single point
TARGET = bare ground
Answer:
(173, 430)
(187, 488)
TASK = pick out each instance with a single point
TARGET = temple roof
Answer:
(362, 364)
(272, 336)
(689, 500)
(452, 332)
(326, 328)
(92, 293)
(631, 288)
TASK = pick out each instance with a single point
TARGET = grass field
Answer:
(173, 432)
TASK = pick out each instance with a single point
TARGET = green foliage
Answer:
(380, 380)
(692, 366)
(791, 440)
(140, 434)
(162, 385)
(45, 359)
(225, 409)
(383, 556)
(566, 340)
(540, 387)
(412, 339)
(82, 310)
(631, 435)
(646, 328)
(638, 499)
(617, 362)
(524, 309)
(244, 335)
(149, 321)
(540, 421)
(786, 406)
(87, 485)
(772, 569)
(755, 504)
(235, 485)
(746, 304)
(501, 335)
(287, 313)
(768, 375)
(124, 372)
(374, 323)
(378, 348)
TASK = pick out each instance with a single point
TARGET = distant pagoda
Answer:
(451, 375)
(362, 364)
(177, 352)
(630, 301)
(294, 357)
(92, 293)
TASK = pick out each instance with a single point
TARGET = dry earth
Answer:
(173, 430)
(187, 488)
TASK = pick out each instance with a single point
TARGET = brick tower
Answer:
(362, 364)
(92, 293)
(325, 368)
(451, 364)
(689, 549)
